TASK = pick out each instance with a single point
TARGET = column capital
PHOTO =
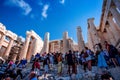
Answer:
(28, 37)
(79, 28)
(90, 20)
(13, 38)
(65, 34)
(2, 32)
(47, 34)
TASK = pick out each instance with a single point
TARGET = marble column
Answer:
(30, 50)
(65, 42)
(71, 47)
(59, 45)
(93, 31)
(25, 47)
(2, 39)
(52, 47)
(81, 44)
(90, 41)
(35, 47)
(8, 48)
(106, 37)
(116, 15)
(117, 3)
(113, 28)
(46, 43)
(110, 35)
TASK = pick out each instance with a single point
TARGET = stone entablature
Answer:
(11, 35)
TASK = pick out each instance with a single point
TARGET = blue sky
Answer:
(54, 16)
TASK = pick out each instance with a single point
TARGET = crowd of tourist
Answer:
(12, 69)
(102, 58)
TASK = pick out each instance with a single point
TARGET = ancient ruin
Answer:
(109, 29)
(12, 47)
(64, 45)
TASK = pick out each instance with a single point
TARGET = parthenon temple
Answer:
(12, 46)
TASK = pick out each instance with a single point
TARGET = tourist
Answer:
(46, 63)
(32, 58)
(93, 60)
(88, 58)
(37, 56)
(33, 76)
(112, 53)
(84, 62)
(33, 65)
(37, 67)
(59, 59)
(78, 56)
(24, 62)
(101, 62)
(69, 61)
(65, 60)
(10, 69)
(75, 62)
(19, 70)
(55, 59)
(51, 60)
(107, 57)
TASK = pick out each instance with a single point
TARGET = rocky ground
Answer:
(95, 74)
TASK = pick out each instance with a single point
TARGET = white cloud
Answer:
(44, 11)
(62, 1)
(21, 4)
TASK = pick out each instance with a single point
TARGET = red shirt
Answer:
(37, 65)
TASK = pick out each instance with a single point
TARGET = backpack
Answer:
(113, 49)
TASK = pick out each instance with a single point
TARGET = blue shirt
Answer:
(35, 78)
